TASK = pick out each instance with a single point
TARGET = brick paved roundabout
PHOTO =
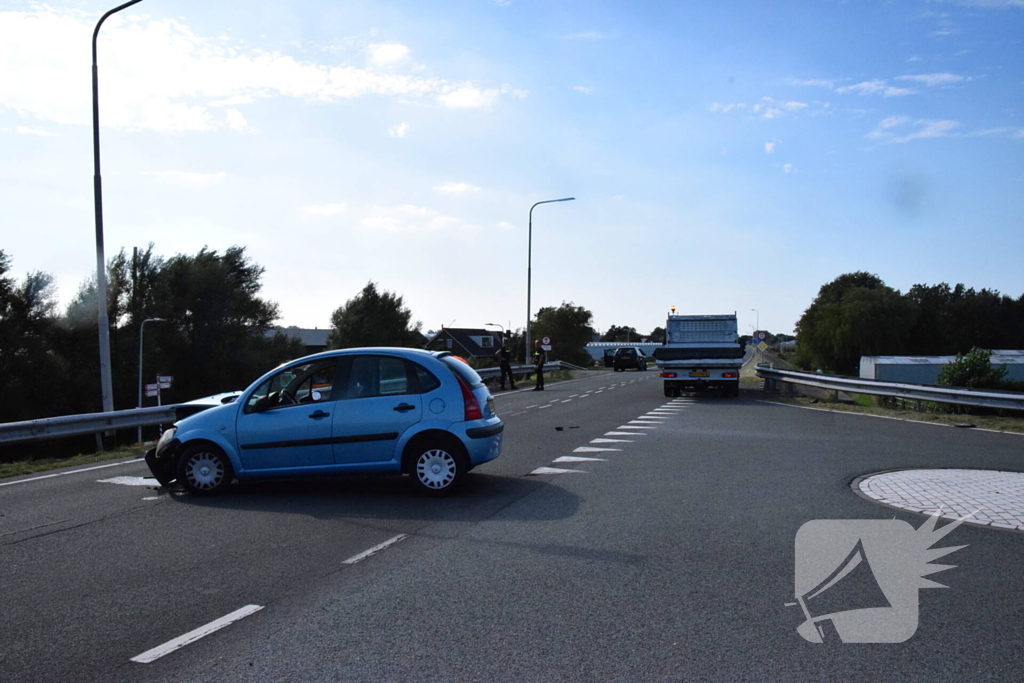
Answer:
(996, 498)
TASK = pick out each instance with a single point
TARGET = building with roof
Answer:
(926, 369)
(466, 342)
(314, 340)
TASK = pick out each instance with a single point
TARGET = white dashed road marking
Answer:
(556, 470)
(593, 449)
(375, 549)
(543, 407)
(635, 426)
(610, 441)
(625, 434)
(576, 458)
(61, 474)
(192, 636)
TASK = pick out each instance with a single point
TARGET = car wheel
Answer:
(204, 470)
(437, 469)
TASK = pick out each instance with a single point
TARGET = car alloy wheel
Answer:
(436, 469)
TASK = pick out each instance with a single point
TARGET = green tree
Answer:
(373, 318)
(569, 329)
(973, 370)
(620, 334)
(658, 335)
(854, 315)
(30, 371)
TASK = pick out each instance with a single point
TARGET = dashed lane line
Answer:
(631, 425)
(375, 549)
(610, 441)
(194, 635)
(625, 434)
(593, 449)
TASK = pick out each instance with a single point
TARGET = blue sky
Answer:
(723, 156)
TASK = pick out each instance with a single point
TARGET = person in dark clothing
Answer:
(540, 357)
(505, 362)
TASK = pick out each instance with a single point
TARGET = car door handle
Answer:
(402, 407)
(319, 415)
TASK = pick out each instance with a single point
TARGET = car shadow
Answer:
(382, 497)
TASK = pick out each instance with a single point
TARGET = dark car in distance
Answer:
(629, 357)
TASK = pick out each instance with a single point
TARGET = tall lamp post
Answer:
(758, 317)
(529, 269)
(142, 331)
(106, 382)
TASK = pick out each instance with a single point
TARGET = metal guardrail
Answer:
(1010, 400)
(91, 423)
(488, 373)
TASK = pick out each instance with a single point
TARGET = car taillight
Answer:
(473, 411)
(729, 375)
(667, 374)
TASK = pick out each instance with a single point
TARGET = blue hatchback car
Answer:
(351, 411)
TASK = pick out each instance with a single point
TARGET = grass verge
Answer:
(22, 467)
(1001, 424)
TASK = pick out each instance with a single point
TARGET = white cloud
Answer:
(788, 168)
(934, 79)
(411, 219)
(583, 89)
(157, 74)
(886, 130)
(814, 83)
(323, 209)
(772, 113)
(795, 106)
(25, 130)
(769, 147)
(873, 88)
(586, 35)
(388, 54)
(726, 108)
(469, 97)
(187, 179)
(456, 188)
(399, 130)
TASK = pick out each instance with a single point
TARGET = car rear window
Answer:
(462, 370)
(627, 352)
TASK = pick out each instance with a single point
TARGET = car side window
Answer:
(298, 384)
(394, 378)
(426, 380)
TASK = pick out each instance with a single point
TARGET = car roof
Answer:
(390, 350)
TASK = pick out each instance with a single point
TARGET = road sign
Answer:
(762, 335)
(165, 378)
(762, 346)
(546, 341)
(165, 385)
(150, 387)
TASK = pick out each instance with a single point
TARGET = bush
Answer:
(973, 370)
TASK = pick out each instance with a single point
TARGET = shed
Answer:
(926, 369)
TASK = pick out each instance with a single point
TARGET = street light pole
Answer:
(106, 382)
(758, 318)
(529, 269)
(142, 331)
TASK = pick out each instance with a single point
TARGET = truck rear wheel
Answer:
(668, 391)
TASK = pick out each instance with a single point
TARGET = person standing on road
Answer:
(540, 357)
(504, 361)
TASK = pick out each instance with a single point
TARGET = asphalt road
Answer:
(670, 558)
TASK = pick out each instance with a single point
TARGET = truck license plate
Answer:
(700, 373)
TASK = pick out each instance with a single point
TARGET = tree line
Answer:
(857, 314)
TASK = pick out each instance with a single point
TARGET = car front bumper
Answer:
(162, 462)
